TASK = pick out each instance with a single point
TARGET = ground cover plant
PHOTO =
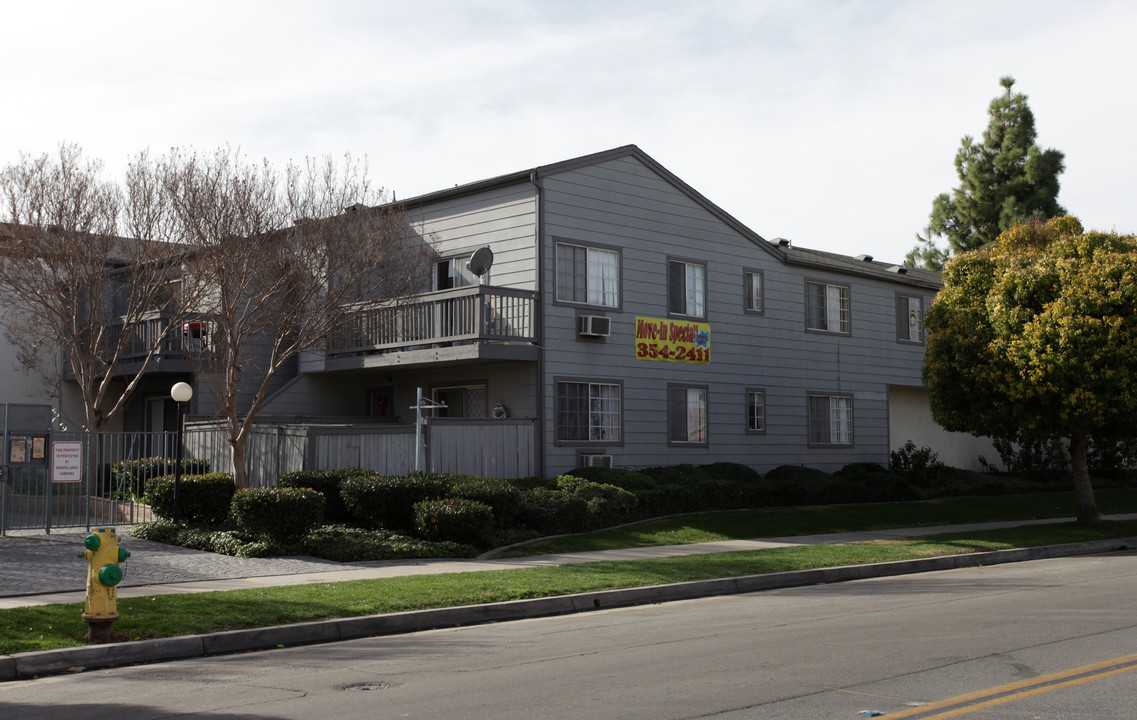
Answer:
(59, 626)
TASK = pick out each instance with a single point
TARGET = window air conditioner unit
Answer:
(594, 325)
(600, 461)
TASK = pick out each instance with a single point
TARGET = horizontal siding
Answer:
(625, 204)
(503, 219)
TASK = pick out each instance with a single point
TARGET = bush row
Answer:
(474, 512)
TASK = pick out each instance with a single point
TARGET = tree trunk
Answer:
(1083, 488)
(240, 476)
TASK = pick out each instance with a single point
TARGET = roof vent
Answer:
(898, 269)
(783, 242)
(865, 258)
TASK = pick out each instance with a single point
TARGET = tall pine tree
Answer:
(1004, 180)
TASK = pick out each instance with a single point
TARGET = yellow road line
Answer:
(1002, 694)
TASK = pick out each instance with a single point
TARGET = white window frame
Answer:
(753, 292)
(597, 285)
(598, 420)
(910, 318)
(687, 426)
(834, 316)
(456, 271)
(692, 294)
(830, 420)
(755, 411)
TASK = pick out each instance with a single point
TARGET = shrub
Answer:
(342, 543)
(455, 519)
(920, 466)
(676, 474)
(1033, 459)
(795, 485)
(279, 514)
(606, 504)
(130, 476)
(877, 484)
(387, 500)
(732, 472)
(325, 482)
(551, 512)
(332, 542)
(501, 495)
(627, 479)
(202, 498)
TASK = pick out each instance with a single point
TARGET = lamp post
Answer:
(181, 393)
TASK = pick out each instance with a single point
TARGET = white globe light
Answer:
(181, 392)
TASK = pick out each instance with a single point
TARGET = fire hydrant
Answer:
(104, 573)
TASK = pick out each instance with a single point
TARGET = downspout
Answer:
(539, 324)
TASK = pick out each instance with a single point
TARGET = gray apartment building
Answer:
(629, 321)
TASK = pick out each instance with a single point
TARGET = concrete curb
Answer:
(47, 662)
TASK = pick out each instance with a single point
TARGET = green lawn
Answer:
(58, 626)
(787, 522)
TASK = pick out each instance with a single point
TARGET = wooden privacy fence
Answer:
(487, 448)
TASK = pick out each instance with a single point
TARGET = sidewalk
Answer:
(45, 569)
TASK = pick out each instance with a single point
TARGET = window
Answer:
(753, 300)
(687, 415)
(461, 402)
(453, 273)
(827, 307)
(755, 411)
(588, 412)
(909, 318)
(830, 420)
(588, 275)
(686, 288)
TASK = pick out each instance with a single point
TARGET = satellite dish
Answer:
(480, 261)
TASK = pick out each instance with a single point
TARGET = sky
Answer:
(832, 123)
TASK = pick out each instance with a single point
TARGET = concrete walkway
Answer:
(44, 569)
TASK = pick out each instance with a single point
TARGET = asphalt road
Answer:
(1055, 638)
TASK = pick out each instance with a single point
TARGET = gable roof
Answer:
(782, 250)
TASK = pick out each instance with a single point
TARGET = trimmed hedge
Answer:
(325, 482)
(459, 520)
(202, 498)
(552, 512)
(606, 505)
(501, 495)
(280, 514)
(388, 501)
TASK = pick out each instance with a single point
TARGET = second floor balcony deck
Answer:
(470, 323)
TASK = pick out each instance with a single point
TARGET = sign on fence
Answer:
(66, 461)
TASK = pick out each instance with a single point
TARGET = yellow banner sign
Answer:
(673, 340)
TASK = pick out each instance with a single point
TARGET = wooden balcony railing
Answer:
(190, 340)
(476, 313)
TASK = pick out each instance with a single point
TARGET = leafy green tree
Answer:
(1004, 180)
(1035, 338)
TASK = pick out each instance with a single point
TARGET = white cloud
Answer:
(833, 123)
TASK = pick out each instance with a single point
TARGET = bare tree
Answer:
(72, 286)
(281, 258)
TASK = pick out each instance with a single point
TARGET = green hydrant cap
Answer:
(123, 554)
(92, 542)
(110, 575)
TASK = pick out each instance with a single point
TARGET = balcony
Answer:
(450, 326)
(179, 352)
